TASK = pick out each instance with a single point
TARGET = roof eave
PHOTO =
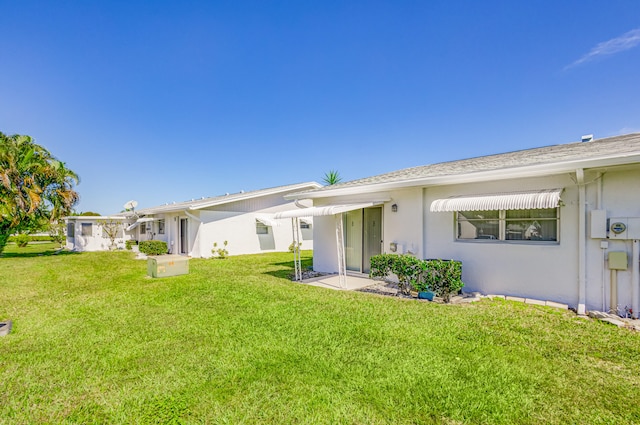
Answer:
(252, 196)
(473, 177)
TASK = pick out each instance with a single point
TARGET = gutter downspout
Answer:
(599, 194)
(582, 240)
(635, 279)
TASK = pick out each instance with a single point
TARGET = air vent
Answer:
(587, 138)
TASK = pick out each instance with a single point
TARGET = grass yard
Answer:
(96, 341)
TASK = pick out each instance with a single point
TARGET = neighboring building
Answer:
(87, 233)
(191, 228)
(531, 223)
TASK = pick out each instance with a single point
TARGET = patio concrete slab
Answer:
(333, 282)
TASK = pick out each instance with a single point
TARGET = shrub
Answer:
(295, 247)
(444, 277)
(408, 268)
(221, 253)
(129, 243)
(153, 247)
(22, 240)
(33, 238)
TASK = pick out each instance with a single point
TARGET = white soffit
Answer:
(528, 200)
(267, 220)
(324, 210)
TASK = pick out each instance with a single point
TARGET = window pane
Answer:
(87, 229)
(261, 229)
(542, 213)
(161, 227)
(532, 230)
(478, 225)
(478, 215)
(71, 230)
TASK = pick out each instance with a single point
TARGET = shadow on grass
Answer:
(31, 254)
(287, 271)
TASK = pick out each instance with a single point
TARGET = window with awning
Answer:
(527, 200)
(531, 216)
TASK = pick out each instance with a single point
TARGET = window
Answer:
(509, 225)
(304, 225)
(143, 228)
(87, 229)
(71, 230)
(262, 229)
(161, 227)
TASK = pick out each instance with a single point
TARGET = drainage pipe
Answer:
(613, 298)
(635, 279)
(582, 242)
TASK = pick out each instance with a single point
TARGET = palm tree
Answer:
(34, 186)
(331, 177)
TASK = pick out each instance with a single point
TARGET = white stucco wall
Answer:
(239, 229)
(546, 271)
(404, 227)
(621, 198)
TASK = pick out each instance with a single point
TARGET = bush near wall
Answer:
(153, 247)
(33, 238)
(444, 277)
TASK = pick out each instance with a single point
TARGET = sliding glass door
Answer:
(362, 237)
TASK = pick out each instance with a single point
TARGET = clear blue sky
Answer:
(167, 101)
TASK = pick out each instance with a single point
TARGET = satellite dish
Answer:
(131, 205)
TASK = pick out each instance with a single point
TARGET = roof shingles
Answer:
(614, 146)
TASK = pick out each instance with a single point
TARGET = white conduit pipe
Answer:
(635, 278)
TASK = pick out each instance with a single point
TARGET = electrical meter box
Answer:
(618, 260)
(167, 265)
(624, 228)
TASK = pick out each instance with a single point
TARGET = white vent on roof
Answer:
(587, 138)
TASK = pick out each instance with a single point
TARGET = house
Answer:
(557, 223)
(245, 220)
(90, 233)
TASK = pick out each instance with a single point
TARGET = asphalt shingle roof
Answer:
(613, 146)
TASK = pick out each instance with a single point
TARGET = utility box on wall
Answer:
(167, 265)
(598, 224)
(624, 228)
(618, 260)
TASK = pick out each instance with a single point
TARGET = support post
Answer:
(342, 262)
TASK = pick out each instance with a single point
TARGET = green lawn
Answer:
(96, 341)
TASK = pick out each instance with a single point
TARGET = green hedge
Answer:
(444, 277)
(33, 238)
(153, 247)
